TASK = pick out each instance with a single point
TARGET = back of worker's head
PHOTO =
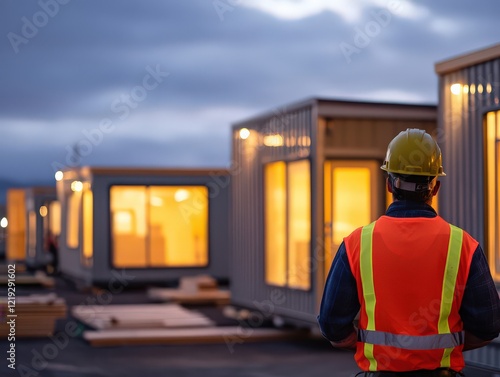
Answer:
(413, 162)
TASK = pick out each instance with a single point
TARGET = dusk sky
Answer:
(158, 83)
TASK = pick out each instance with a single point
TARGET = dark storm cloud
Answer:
(91, 54)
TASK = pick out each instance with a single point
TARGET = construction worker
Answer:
(421, 286)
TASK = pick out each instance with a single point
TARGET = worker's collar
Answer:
(406, 208)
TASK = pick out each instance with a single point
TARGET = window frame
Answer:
(287, 225)
(149, 267)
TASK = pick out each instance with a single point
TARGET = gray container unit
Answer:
(42, 225)
(151, 225)
(304, 177)
(469, 135)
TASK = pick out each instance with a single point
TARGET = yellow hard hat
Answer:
(413, 152)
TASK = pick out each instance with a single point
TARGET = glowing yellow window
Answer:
(128, 226)
(178, 226)
(288, 224)
(351, 200)
(87, 249)
(275, 223)
(299, 224)
(73, 219)
(160, 226)
(492, 203)
(31, 234)
(16, 230)
(55, 217)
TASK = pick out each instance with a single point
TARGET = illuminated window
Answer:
(16, 231)
(351, 200)
(128, 226)
(55, 217)
(73, 220)
(492, 205)
(159, 226)
(299, 224)
(275, 220)
(87, 250)
(288, 224)
(31, 234)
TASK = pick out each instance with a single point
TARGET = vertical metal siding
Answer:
(462, 141)
(462, 131)
(248, 285)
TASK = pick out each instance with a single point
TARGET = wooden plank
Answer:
(140, 316)
(220, 297)
(188, 336)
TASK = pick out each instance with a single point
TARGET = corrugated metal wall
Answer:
(248, 285)
(461, 135)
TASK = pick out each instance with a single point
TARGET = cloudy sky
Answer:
(159, 82)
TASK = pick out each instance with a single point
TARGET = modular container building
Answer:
(33, 216)
(303, 178)
(469, 135)
(154, 225)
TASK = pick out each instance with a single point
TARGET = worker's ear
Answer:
(389, 185)
(436, 188)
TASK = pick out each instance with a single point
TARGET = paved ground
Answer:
(75, 358)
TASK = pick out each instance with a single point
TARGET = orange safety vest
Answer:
(411, 275)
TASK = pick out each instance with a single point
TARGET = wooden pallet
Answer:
(193, 290)
(39, 278)
(160, 316)
(228, 335)
(35, 315)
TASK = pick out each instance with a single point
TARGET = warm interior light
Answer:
(273, 140)
(43, 211)
(456, 89)
(488, 88)
(244, 133)
(4, 222)
(466, 89)
(181, 195)
(156, 201)
(76, 186)
(59, 175)
(480, 88)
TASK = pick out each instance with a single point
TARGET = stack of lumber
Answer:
(228, 335)
(39, 278)
(149, 316)
(193, 290)
(35, 315)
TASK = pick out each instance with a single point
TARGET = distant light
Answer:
(76, 186)
(181, 195)
(466, 89)
(4, 222)
(488, 88)
(244, 133)
(480, 88)
(456, 89)
(59, 175)
(275, 140)
(473, 88)
(43, 211)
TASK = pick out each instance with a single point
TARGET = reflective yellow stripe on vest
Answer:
(449, 282)
(444, 337)
(366, 270)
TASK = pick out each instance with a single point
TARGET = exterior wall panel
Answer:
(248, 286)
(461, 137)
